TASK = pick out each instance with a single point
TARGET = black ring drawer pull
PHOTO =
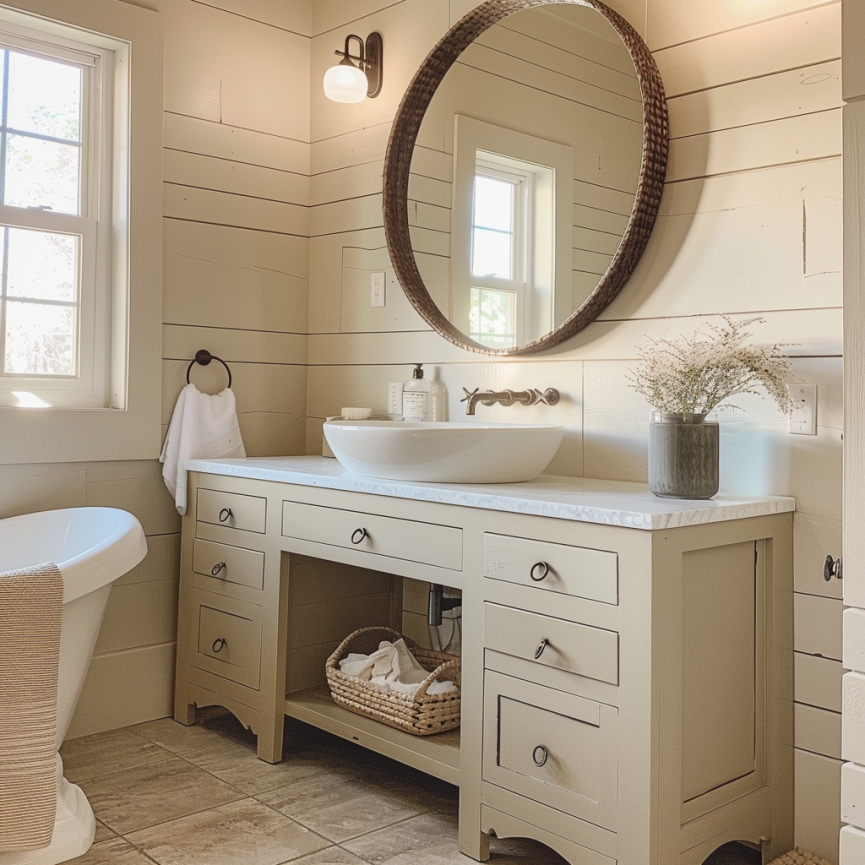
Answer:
(542, 569)
(539, 755)
(225, 514)
(358, 535)
(218, 645)
(219, 566)
(541, 646)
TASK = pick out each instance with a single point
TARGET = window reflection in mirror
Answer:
(512, 250)
(551, 95)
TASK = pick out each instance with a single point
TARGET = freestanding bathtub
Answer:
(92, 547)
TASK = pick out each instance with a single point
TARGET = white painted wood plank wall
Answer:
(750, 224)
(236, 282)
(853, 723)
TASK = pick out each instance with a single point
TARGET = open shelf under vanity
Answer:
(437, 755)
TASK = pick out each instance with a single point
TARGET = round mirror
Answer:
(524, 172)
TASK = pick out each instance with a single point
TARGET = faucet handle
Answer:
(469, 394)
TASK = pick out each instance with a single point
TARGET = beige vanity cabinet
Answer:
(627, 661)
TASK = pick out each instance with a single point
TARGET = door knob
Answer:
(833, 568)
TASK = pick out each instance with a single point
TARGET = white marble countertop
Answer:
(613, 503)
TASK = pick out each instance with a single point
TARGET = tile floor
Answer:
(175, 795)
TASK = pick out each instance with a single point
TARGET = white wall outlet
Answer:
(376, 289)
(803, 418)
(394, 398)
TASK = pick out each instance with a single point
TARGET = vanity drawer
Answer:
(227, 638)
(552, 747)
(430, 544)
(578, 571)
(238, 565)
(233, 510)
(567, 646)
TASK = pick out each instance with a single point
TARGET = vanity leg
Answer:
(184, 713)
(273, 653)
(477, 846)
(270, 739)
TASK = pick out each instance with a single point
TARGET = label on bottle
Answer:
(414, 405)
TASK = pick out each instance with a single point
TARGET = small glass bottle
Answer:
(438, 404)
(416, 396)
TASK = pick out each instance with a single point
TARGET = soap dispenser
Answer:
(416, 396)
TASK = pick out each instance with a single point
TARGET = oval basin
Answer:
(460, 453)
(91, 546)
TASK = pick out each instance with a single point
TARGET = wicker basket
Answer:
(421, 714)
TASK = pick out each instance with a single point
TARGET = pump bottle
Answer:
(416, 396)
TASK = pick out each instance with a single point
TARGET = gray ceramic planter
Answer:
(683, 456)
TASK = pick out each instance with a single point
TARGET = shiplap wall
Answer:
(750, 224)
(853, 738)
(236, 199)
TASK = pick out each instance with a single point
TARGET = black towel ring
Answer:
(203, 357)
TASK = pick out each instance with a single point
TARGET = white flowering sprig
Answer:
(694, 375)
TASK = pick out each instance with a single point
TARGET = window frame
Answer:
(125, 421)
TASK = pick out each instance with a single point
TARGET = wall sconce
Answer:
(347, 82)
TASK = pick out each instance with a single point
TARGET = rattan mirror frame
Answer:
(397, 166)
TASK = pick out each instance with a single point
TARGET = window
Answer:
(512, 197)
(80, 231)
(52, 300)
(501, 231)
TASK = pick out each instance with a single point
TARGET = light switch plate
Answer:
(803, 418)
(376, 289)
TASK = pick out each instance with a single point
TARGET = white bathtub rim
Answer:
(118, 551)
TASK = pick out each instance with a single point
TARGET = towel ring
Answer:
(203, 357)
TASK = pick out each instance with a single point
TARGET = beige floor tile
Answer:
(223, 748)
(412, 787)
(240, 832)
(431, 839)
(243, 769)
(148, 795)
(104, 753)
(435, 833)
(331, 856)
(113, 852)
(186, 742)
(340, 806)
(103, 833)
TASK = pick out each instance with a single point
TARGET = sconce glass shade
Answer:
(345, 83)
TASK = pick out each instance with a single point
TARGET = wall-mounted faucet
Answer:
(532, 396)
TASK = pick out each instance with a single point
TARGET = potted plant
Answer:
(684, 380)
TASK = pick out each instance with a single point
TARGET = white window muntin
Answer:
(89, 387)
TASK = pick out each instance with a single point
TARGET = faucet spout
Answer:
(531, 396)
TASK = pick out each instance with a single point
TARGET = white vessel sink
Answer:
(459, 453)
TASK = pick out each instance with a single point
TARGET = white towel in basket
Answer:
(393, 667)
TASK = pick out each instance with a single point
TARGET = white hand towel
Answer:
(203, 426)
(392, 668)
(393, 662)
